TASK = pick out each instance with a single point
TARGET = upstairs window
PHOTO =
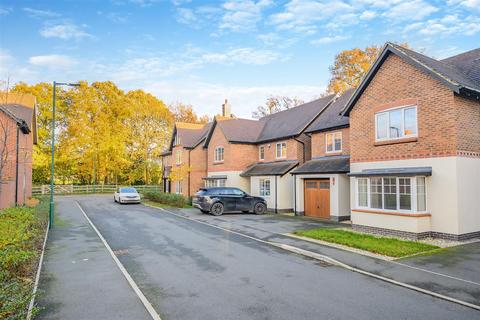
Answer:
(178, 157)
(219, 152)
(261, 152)
(176, 140)
(396, 123)
(281, 150)
(333, 142)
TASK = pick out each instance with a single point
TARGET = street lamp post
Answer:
(52, 178)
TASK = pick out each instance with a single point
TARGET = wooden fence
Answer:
(85, 189)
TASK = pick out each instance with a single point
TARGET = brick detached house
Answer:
(415, 145)
(18, 133)
(257, 155)
(186, 159)
(321, 185)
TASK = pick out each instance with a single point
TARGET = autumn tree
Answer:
(184, 113)
(349, 68)
(150, 127)
(275, 104)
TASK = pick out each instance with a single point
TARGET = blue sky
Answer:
(201, 52)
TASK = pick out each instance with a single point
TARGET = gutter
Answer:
(303, 148)
(16, 166)
(276, 194)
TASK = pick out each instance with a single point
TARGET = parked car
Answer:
(126, 195)
(221, 199)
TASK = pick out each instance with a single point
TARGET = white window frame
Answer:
(178, 187)
(281, 144)
(263, 182)
(178, 157)
(216, 156)
(210, 183)
(413, 195)
(333, 134)
(176, 139)
(261, 149)
(401, 136)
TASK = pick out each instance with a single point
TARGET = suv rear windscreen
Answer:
(201, 192)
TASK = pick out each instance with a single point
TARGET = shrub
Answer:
(21, 237)
(171, 199)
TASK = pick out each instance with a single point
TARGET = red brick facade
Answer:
(237, 157)
(440, 115)
(9, 184)
(319, 143)
(196, 162)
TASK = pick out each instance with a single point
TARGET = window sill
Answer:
(395, 141)
(218, 162)
(394, 213)
(333, 153)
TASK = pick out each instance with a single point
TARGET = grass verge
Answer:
(381, 245)
(167, 199)
(162, 205)
(22, 232)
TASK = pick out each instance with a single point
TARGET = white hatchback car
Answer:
(126, 195)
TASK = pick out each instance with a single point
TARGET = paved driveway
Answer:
(190, 270)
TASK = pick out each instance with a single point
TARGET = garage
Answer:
(317, 198)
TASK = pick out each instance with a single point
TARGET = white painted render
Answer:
(339, 192)
(285, 191)
(233, 179)
(453, 196)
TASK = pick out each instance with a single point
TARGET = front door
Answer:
(317, 198)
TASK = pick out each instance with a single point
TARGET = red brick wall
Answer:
(468, 125)
(319, 143)
(198, 164)
(9, 173)
(436, 114)
(237, 157)
(294, 150)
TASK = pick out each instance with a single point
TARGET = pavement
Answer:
(79, 279)
(190, 270)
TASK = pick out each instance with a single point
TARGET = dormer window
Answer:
(261, 152)
(396, 123)
(219, 154)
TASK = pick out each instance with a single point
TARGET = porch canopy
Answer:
(277, 168)
(217, 177)
(329, 164)
(403, 172)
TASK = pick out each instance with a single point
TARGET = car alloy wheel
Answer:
(217, 209)
(260, 208)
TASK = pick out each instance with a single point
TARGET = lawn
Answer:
(162, 205)
(381, 245)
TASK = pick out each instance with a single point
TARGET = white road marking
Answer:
(330, 260)
(124, 271)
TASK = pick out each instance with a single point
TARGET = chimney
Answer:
(226, 112)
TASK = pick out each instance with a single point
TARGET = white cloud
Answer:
(447, 25)
(368, 14)
(302, 15)
(37, 13)
(410, 10)
(242, 15)
(186, 16)
(53, 61)
(244, 56)
(64, 31)
(206, 98)
(5, 10)
(471, 4)
(328, 40)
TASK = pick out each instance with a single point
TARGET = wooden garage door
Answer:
(317, 198)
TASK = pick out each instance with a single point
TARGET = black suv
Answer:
(218, 200)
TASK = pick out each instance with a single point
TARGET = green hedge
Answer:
(170, 199)
(21, 237)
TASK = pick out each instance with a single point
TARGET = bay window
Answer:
(392, 193)
(396, 123)
(210, 183)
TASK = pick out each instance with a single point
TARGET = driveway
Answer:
(190, 270)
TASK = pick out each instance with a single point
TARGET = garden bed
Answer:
(22, 231)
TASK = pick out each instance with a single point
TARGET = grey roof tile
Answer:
(331, 164)
(277, 168)
(331, 117)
